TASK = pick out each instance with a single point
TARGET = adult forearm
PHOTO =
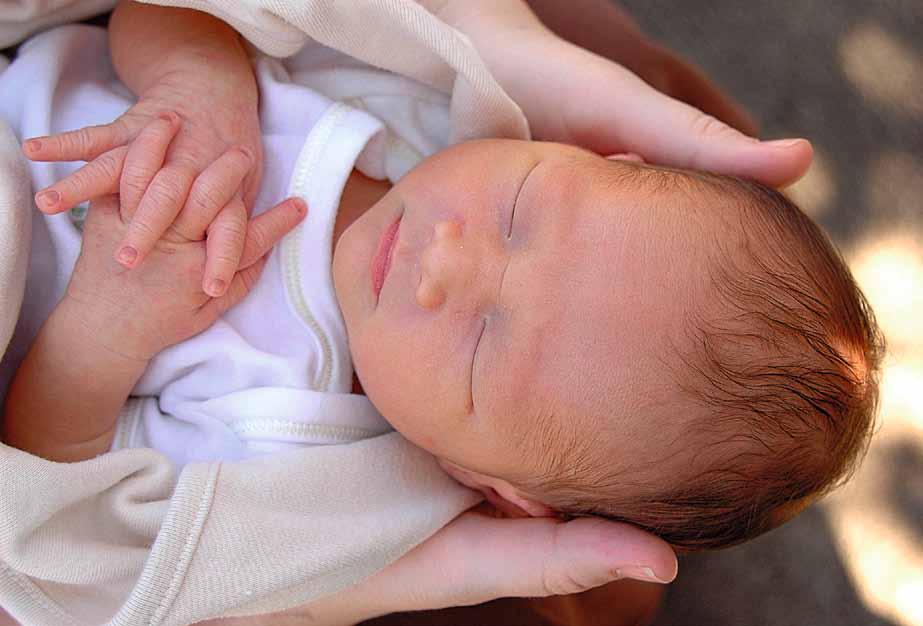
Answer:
(67, 394)
(150, 43)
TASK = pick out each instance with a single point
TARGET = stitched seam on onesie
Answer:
(291, 246)
(302, 431)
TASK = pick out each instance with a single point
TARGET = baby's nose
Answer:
(445, 265)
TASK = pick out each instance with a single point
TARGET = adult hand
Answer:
(604, 28)
(479, 557)
(572, 95)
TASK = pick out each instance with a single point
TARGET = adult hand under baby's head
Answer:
(557, 320)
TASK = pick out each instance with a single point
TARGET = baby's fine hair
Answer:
(782, 366)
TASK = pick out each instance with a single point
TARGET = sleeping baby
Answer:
(569, 334)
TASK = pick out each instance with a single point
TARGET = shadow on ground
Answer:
(793, 575)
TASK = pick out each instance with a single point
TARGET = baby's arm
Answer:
(189, 65)
(66, 396)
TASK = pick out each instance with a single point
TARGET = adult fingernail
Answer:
(47, 199)
(216, 287)
(784, 143)
(638, 572)
(127, 255)
(168, 116)
(33, 145)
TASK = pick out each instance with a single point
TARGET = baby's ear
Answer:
(500, 493)
(626, 156)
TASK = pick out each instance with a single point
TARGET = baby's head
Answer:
(681, 351)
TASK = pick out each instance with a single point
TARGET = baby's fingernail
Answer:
(216, 288)
(168, 116)
(47, 199)
(783, 143)
(638, 572)
(300, 205)
(127, 256)
(33, 145)
(245, 152)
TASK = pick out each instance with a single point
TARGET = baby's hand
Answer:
(139, 312)
(157, 181)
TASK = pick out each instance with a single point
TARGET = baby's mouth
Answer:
(381, 262)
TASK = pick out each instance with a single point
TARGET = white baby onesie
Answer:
(275, 371)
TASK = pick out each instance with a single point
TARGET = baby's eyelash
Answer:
(509, 233)
(474, 357)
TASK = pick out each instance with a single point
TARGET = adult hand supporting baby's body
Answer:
(182, 86)
(592, 98)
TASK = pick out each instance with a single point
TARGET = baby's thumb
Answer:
(669, 132)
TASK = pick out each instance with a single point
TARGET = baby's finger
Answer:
(224, 246)
(212, 190)
(158, 208)
(145, 157)
(240, 286)
(83, 144)
(97, 178)
(265, 231)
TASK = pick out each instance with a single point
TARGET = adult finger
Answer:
(264, 231)
(212, 190)
(145, 158)
(669, 132)
(98, 177)
(224, 247)
(83, 144)
(160, 205)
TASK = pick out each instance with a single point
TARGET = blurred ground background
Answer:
(849, 76)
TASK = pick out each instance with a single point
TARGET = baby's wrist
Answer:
(203, 82)
(96, 329)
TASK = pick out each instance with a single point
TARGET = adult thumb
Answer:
(542, 557)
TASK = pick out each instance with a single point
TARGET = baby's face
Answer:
(518, 304)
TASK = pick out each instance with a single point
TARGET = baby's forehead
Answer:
(592, 215)
(600, 283)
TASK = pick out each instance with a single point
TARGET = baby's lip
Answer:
(381, 262)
